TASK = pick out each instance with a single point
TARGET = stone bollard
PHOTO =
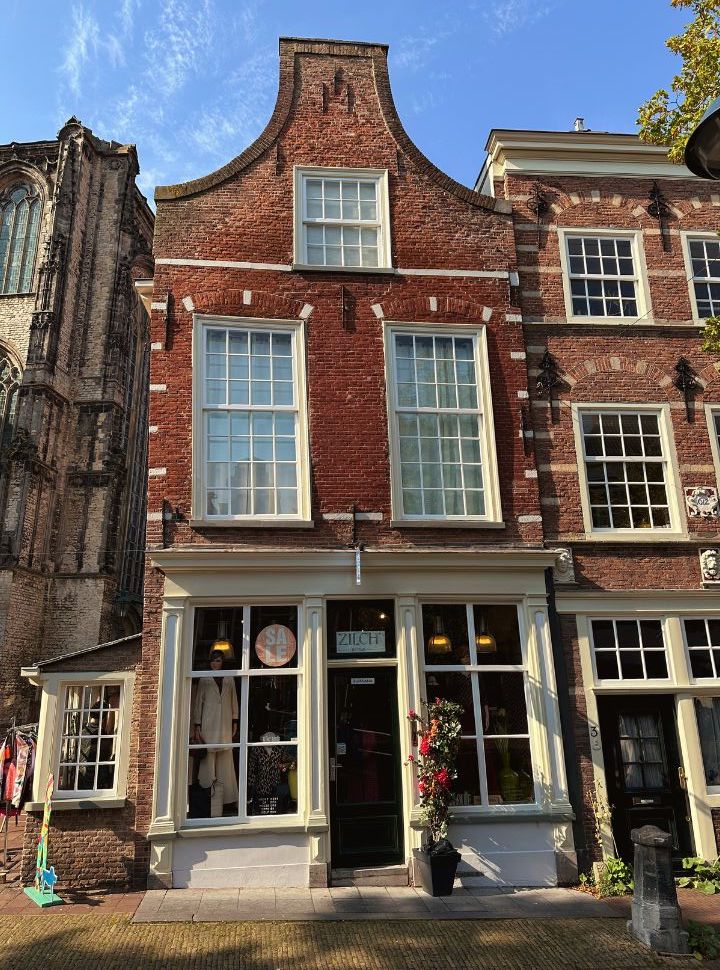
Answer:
(655, 911)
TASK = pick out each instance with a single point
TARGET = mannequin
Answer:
(266, 767)
(215, 717)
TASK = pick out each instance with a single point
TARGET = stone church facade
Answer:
(75, 239)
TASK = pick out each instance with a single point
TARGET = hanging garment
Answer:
(23, 767)
(214, 711)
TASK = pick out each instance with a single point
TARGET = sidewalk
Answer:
(368, 903)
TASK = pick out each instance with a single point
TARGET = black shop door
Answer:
(644, 774)
(365, 784)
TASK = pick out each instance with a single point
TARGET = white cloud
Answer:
(83, 43)
(507, 16)
(179, 44)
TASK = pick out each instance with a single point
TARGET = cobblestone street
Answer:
(62, 940)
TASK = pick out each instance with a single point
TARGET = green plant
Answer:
(704, 941)
(711, 335)
(439, 739)
(701, 875)
(615, 878)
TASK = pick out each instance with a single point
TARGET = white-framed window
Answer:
(712, 414)
(243, 738)
(602, 274)
(342, 218)
(702, 260)
(474, 655)
(251, 450)
(702, 639)
(629, 649)
(441, 426)
(88, 752)
(707, 712)
(626, 471)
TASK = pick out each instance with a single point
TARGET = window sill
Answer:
(446, 524)
(23, 293)
(258, 824)
(258, 523)
(77, 804)
(492, 814)
(651, 535)
(312, 268)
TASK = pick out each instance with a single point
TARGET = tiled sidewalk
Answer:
(371, 903)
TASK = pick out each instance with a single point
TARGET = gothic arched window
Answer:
(19, 223)
(9, 382)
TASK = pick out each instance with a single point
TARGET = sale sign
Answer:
(275, 645)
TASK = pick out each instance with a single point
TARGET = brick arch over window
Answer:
(594, 368)
(233, 303)
(709, 377)
(442, 308)
(20, 211)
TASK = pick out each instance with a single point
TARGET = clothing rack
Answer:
(12, 732)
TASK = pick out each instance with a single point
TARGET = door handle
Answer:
(334, 767)
(682, 778)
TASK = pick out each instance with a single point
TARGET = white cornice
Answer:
(577, 153)
(204, 560)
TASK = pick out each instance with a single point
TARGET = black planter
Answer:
(437, 872)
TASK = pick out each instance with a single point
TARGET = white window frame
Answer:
(642, 292)
(701, 681)
(711, 412)
(678, 528)
(54, 686)
(201, 323)
(472, 669)
(380, 176)
(622, 682)
(489, 464)
(710, 789)
(245, 673)
(686, 236)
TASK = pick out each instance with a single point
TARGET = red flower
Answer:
(442, 777)
(412, 716)
(411, 757)
(424, 746)
(421, 787)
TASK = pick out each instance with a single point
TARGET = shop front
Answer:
(282, 735)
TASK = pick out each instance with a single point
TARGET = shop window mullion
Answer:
(477, 707)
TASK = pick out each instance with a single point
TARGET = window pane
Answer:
(708, 718)
(502, 696)
(509, 771)
(273, 637)
(445, 634)
(501, 623)
(272, 780)
(272, 709)
(89, 745)
(467, 784)
(454, 687)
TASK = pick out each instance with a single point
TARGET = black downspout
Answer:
(567, 726)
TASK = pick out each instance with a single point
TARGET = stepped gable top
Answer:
(290, 47)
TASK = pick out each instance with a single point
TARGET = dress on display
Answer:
(214, 710)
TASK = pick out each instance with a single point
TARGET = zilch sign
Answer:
(360, 641)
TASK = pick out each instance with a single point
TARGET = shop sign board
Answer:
(360, 641)
(275, 645)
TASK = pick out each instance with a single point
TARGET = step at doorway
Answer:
(377, 876)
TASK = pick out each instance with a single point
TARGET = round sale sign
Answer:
(275, 645)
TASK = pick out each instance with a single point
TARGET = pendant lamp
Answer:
(484, 641)
(222, 643)
(439, 643)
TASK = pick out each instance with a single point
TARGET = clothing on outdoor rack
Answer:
(17, 765)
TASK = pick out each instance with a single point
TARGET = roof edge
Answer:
(80, 653)
(289, 48)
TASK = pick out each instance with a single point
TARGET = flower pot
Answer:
(436, 872)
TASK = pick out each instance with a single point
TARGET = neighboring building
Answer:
(75, 235)
(619, 262)
(342, 500)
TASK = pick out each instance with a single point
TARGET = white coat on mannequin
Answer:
(215, 718)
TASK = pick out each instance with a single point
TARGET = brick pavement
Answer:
(63, 940)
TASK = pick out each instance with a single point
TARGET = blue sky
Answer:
(192, 82)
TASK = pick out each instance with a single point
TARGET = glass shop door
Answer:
(365, 783)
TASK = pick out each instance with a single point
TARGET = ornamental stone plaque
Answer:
(701, 501)
(710, 565)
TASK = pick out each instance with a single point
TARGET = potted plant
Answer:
(439, 741)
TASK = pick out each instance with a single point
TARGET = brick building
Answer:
(75, 237)
(408, 440)
(619, 262)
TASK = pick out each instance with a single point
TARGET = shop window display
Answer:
(473, 656)
(243, 752)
